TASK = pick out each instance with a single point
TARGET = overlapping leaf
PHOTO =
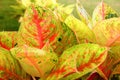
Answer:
(115, 54)
(63, 11)
(10, 68)
(83, 15)
(34, 61)
(108, 32)
(82, 31)
(78, 61)
(40, 25)
(110, 66)
(43, 3)
(103, 11)
(7, 39)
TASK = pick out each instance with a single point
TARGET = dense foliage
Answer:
(57, 42)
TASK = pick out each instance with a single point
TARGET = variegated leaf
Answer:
(108, 32)
(10, 69)
(82, 31)
(103, 11)
(34, 61)
(40, 25)
(83, 15)
(8, 39)
(78, 61)
(110, 66)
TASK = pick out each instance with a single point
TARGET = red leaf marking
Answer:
(58, 71)
(37, 21)
(103, 12)
(41, 30)
(10, 73)
(53, 37)
(1, 79)
(111, 41)
(106, 67)
(13, 39)
(95, 76)
(71, 72)
(92, 60)
(33, 62)
(3, 45)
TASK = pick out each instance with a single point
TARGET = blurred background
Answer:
(8, 21)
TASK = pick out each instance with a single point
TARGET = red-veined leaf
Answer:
(8, 39)
(103, 11)
(40, 25)
(108, 32)
(110, 66)
(34, 61)
(10, 69)
(78, 61)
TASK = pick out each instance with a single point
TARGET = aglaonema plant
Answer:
(53, 44)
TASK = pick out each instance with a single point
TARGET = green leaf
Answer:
(10, 68)
(103, 11)
(78, 61)
(34, 61)
(43, 26)
(108, 32)
(82, 31)
(8, 39)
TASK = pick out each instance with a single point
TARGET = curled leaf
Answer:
(8, 39)
(78, 61)
(103, 11)
(34, 61)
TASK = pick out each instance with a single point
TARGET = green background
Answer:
(9, 22)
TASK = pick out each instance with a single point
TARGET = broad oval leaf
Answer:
(108, 32)
(10, 69)
(40, 25)
(34, 61)
(8, 39)
(82, 31)
(78, 61)
(103, 11)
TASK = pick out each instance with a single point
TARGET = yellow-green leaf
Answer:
(82, 31)
(78, 61)
(103, 11)
(108, 32)
(34, 61)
